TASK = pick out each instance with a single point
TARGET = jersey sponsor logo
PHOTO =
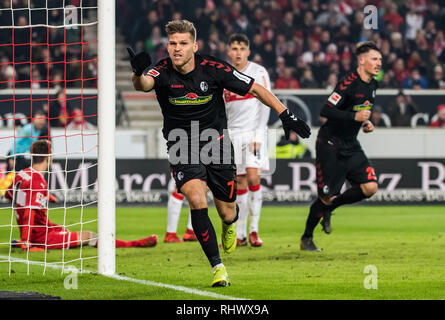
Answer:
(177, 86)
(190, 99)
(153, 73)
(241, 77)
(204, 86)
(334, 98)
(365, 106)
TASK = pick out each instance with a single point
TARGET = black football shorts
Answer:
(333, 167)
(220, 178)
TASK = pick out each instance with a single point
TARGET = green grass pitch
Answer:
(405, 244)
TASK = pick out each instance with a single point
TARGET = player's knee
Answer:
(369, 189)
(196, 200)
(327, 201)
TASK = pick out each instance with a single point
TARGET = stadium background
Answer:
(305, 45)
(410, 158)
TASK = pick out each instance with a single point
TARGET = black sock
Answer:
(315, 214)
(206, 235)
(352, 195)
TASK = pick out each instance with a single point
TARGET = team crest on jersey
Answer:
(190, 99)
(334, 98)
(180, 175)
(204, 86)
(365, 106)
(373, 93)
(153, 73)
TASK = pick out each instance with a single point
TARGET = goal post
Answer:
(60, 55)
(106, 132)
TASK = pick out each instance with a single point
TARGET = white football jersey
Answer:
(248, 113)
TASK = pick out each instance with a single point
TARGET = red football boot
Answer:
(241, 242)
(254, 240)
(172, 237)
(189, 235)
(150, 241)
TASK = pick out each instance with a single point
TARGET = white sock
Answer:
(174, 207)
(241, 224)
(189, 224)
(255, 202)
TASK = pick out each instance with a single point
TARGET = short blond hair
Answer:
(181, 26)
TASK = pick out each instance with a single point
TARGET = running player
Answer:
(339, 156)
(189, 88)
(30, 196)
(247, 122)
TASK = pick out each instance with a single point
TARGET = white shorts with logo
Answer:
(245, 157)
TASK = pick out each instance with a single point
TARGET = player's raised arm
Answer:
(140, 62)
(289, 120)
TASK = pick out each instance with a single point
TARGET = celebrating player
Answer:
(339, 156)
(247, 122)
(30, 195)
(189, 88)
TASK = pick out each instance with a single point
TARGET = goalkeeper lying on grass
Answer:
(30, 195)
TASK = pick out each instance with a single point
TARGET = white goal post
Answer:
(106, 132)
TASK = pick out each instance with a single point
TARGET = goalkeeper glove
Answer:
(51, 198)
(25, 246)
(139, 62)
(291, 122)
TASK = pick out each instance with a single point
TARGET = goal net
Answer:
(48, 90)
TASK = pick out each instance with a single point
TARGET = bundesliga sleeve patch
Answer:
(334, 98)
(153, 73)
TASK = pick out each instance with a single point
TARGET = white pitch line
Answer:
(139, 281)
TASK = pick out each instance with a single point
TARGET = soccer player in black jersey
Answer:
(189, 88)
(339, 156)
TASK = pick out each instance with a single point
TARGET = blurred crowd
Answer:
(50, 48)
(305, 44)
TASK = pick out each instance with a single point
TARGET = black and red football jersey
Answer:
(198, 95)
(350, 95)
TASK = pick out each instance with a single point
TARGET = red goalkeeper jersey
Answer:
(30, 196)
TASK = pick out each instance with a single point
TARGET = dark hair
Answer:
(364, 47)
(239, 37)
(40, 150)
